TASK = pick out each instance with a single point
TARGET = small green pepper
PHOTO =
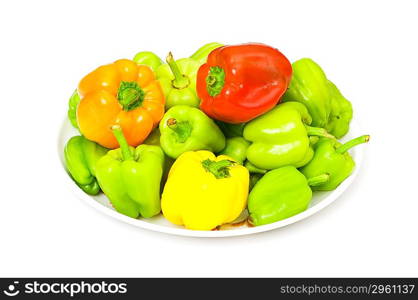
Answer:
(280, 194)
(131, 178)
(72, 108)
(81, 156)
(332, 157)
(178, 81)
(281, 137)
(149, 59)
(202, 53)
(184, 128)
(236, 148)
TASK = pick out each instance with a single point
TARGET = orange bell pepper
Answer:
(122, 93)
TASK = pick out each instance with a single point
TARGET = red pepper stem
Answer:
(215, 81)
(124, 147)
(180, 81)
(317, 131)
(318, 180)
(352, 143)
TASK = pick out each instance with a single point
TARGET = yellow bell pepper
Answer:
(204, 191)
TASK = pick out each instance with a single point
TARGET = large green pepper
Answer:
(341, 113)
(131, 178)
(184, 128)
(281, 137)
(280, 194)
(149, 59)
(178, 81)
(236, 148)
(202, 53)
(331, 157)
(309, 85)
(72, 108)
(81, 156)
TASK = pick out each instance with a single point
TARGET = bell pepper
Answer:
(178, 80)
(81, 156)
(185, 128)
(341, 113)
(309, 86)
(281, 137)
(253, 169)
(131, 178)
(121, 93)
(239, 83)
(201, 55)
(72, 108)
(331, 157)
(280, 194)
(231, 130)
(236, 148)
(204, 191)
(149, 59)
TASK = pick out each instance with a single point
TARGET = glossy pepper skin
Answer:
(332, 157)
(204, 191)
(309, 86)
(241, 82)
(149, 59)
(281, 137)
(72, 108)
(184, 128)
(122, 93)
(201, 55)
(341, 113)
(280, 194)
(236, 148)
(81, 156)
(131, 178)
(178, 80)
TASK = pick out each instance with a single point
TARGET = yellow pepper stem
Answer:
(220, 169)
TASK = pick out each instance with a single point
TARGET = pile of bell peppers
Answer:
(202, 139)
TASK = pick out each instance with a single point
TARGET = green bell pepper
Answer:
(72, 108)
(81, 156)
(236, 148)
(341, 113)
(131, 178)
(280, 194)
(253, 169)
(231, 130)
(281, 137)
(178, 81)
(309, 85)
(202, 53)
(185, 128)
(331, 157)
(149, 59)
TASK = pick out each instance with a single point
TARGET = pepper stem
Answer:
(130, 95)
(317, 131)
(182, 129)
(124, 147)
(317, 180)
(354, 142)
(220, 169)
(215, 81)
(180, 81)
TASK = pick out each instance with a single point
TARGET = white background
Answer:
(368, 48)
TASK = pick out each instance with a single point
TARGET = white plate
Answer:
(158, 223)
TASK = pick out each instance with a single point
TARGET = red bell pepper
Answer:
(241, 82)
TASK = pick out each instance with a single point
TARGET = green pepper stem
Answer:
(215, 81)
(220, 169)
(317, 180)
(182, 129)
(354, 142)
(180, 81)
(124, 147)
(317, 131)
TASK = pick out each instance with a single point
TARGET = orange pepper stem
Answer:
(180, 81)
(124, 147)
(130, 95)
(354, 142)
(220, 169)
